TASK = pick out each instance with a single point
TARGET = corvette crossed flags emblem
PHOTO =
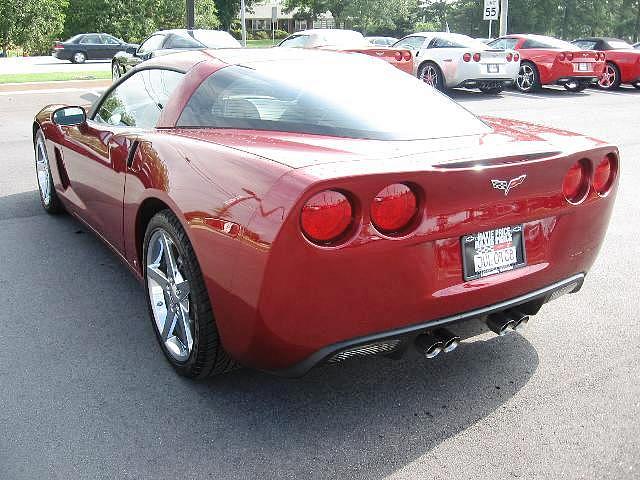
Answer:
(507, 185)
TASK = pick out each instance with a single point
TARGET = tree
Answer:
(228, 11)
(31, 24)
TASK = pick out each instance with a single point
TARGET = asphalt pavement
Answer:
(85, 392)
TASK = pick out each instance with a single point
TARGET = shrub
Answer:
(281, 34)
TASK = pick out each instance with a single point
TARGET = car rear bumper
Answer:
(577, 78)
(397, 340)
(61, 54)
(485, 83)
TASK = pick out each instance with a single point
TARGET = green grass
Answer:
(52, 77)
(261, 43)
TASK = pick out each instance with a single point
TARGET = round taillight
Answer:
(516, 57)
(604, 174)
(394, 208)
(603, 56)
(398, 56)
(476, 57)
(569, 56)
(509, 57)
(561, 57)
(575, 185)
(466, 57)
(406, 55)
(326, 216)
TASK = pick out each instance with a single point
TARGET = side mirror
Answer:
(132, 49)
(69, 116)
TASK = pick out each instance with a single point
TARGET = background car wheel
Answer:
(576, 86)
(528, 79)
(48, 196)
(491, 90)
(178, 301)
(78, 57)
(610, 78)
(637, 85)
(430, 74)
(115, 72)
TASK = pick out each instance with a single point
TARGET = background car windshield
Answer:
(215, 39)
(328, 98)
(619, 44)
(457, 41)
(340, 38)
(548, 42)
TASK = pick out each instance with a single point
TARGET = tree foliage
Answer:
(31, 24)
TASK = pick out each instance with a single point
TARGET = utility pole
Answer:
(191, 14)
(504, 13)
(244, 23)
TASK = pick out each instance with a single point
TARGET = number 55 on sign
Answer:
(491, 10)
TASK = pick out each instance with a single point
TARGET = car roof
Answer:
(184, 31)
(248, 57)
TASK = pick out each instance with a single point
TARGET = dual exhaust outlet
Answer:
(442, 340)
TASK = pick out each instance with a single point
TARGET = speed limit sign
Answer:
(491, 10)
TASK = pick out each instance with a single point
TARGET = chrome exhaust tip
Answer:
(500, 323)
(521, 320)
(449, 339)
(429, 345)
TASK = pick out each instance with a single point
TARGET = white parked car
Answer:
(449, 60)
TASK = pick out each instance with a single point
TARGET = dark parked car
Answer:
(89, 46)
(164, 42)
(637, 45)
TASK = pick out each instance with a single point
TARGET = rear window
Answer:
(585, 44)
(328, 98)
(548, 42)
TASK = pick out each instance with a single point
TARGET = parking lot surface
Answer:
(86, 393)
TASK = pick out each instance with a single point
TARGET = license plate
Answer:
(492, 252)
(583, 67)
(493, 68)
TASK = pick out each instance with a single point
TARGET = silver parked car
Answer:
(448, 60)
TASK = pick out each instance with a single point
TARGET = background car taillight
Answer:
(561, 57)
(575, 185)
(406, 55)
(601, 56)
(326, 216)
(394, 209)
(516, 57)
(509, 57)
(398, 56)
(605, 174)
(569, 56)
(466, 57)
(476, 57)
(58, 46)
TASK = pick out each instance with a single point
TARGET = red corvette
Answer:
(549, 61)
(282, 213)
(623, 61)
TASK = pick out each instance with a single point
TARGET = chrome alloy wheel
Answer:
(168, 290)
(430, 75)
(42, 170)
(608, 77)
(526, 77)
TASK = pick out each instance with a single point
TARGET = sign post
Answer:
(274, 22)
(491, 12)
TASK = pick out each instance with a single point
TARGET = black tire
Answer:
(78, 57)
(491, 90)
(50, 203)
(608, 83)
(637, 85)
(576, 87)
(207, 357)
(435, 79)
(528, 79)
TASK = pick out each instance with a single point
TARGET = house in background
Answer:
(263, 12)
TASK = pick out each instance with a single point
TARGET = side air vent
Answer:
(64, 178)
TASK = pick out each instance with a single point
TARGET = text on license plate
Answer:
(493, 251)
(583, 67)
(493, 68)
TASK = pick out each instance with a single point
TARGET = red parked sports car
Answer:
(282, 213)
(549, 61)
(623, 61)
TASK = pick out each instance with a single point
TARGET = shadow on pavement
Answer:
(26, 204)
(92, 396)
